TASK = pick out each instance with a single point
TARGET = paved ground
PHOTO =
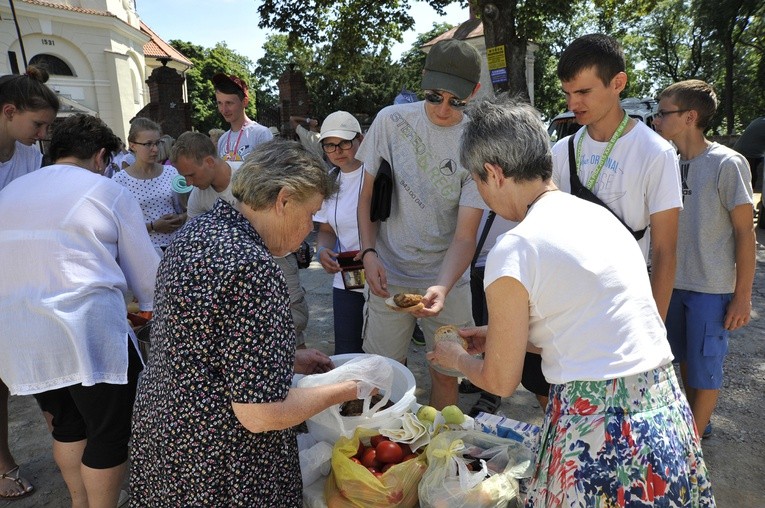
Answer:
(735, 454)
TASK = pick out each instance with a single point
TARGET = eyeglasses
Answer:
(436, 98)
(345, 144)
(149, 144)
(661, 113)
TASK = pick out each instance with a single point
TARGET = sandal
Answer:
(467, 387)
(13, 475)
(486, 403)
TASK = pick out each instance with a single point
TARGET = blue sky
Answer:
(236, 22)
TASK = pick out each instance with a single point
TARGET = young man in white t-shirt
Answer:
(194, 156)
(630, 168)
(232, 96)
(712, 293)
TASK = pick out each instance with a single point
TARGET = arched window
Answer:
(53, 64)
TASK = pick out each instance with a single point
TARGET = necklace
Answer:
(537, 199)
(231, 155)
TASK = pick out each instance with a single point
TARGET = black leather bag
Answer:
(582, 192)
(304, 254)
(382, 193)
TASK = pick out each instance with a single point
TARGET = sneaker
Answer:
(417, 337)
(707, 431)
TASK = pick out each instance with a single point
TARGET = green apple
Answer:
(427, 414)
(453, 415)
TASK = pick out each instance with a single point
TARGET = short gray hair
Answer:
(509, 133)
(279, 164)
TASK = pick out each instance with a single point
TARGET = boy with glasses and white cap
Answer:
(338, 237)
(427, 242)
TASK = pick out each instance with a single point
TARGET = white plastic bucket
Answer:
(402, 393)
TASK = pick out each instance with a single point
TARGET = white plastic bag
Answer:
(449, 482)
(315, 462)
(374, 372)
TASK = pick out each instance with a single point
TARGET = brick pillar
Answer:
(293, 94)
(166, 106)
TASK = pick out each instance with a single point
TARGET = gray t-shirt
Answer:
(714, 183)
(429, 187)
(202, 200)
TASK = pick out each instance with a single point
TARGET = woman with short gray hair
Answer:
(214, 412)
(569, 282)
(280, 166)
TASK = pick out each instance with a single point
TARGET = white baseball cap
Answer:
(340, 124)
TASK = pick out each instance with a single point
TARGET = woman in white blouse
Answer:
(72, 243)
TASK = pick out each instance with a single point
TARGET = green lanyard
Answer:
(606, 152)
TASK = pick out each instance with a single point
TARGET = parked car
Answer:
(565, 124)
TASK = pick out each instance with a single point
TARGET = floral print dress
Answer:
(625, 442)
(222, 333)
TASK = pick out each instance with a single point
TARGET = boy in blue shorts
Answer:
(715, 245)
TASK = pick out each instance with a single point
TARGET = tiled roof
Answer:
(157, 48)
(470, 29)
(65, 7)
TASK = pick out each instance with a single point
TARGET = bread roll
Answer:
(407, 299)
(450, 333)
(411, 302)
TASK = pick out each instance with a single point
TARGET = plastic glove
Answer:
(371, 371)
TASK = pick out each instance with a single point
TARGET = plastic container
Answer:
(402, 393)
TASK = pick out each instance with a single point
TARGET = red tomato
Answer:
(387, 466)
(410, 456)
(360, 451)
(376, 440)
(356, 460)
(370, 459)
(377, 474)
(389, 452)
(405, 449)
(373, 470)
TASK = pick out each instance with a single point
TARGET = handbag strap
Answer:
(482, 239)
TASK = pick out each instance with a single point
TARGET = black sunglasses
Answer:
(436, 98)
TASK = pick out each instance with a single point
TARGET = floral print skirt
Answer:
(628, 441)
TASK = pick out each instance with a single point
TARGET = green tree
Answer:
(278, 55)
(412, 61)
(208, 62)
(729, 24)
(672, 44)
(354, 29)
(348, 30)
